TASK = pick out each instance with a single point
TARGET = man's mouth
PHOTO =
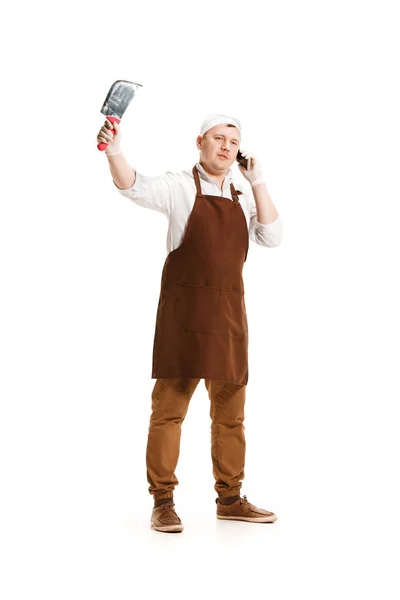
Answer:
(223, 156)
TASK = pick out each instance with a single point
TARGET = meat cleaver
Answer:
(117, 100)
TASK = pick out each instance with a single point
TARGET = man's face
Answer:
(219, 147)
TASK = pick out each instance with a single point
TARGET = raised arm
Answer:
(122, 173)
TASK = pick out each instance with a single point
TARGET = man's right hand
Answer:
(106, 136)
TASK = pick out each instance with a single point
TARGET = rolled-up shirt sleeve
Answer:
(264, 234)
(154, 192)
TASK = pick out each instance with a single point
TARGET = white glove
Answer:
(254, 174)
(106, 135)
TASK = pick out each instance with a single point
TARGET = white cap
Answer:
(217, 119)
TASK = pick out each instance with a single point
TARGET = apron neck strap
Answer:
(234, 192)
(196, 179)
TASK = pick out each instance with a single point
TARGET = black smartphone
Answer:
(242, 160)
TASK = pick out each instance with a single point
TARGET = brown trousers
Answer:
(170, 402)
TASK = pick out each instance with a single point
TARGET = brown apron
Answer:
(201, 325)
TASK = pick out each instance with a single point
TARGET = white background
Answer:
(315, 85)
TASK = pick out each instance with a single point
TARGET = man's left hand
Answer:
(255, 171)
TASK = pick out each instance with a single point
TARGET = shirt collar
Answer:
(205, 175)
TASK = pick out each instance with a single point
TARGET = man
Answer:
(201, 326)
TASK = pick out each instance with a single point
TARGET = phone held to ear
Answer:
(242, 160)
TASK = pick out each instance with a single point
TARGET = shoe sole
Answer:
(250, 519)
(168, 528)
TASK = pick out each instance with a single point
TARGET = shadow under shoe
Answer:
(164, 518)
(242, 510)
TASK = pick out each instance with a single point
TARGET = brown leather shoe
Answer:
(164, 518)
(242, 510)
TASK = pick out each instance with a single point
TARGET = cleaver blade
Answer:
(117, 101)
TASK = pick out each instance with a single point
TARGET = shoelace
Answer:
(167, 506)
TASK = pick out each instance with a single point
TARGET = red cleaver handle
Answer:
(103, 145)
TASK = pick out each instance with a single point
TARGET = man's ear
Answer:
(198, 141)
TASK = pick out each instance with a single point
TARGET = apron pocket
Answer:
(196, 308)
(207, 309)
(232, 320)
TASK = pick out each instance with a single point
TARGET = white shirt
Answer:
(173, 194)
